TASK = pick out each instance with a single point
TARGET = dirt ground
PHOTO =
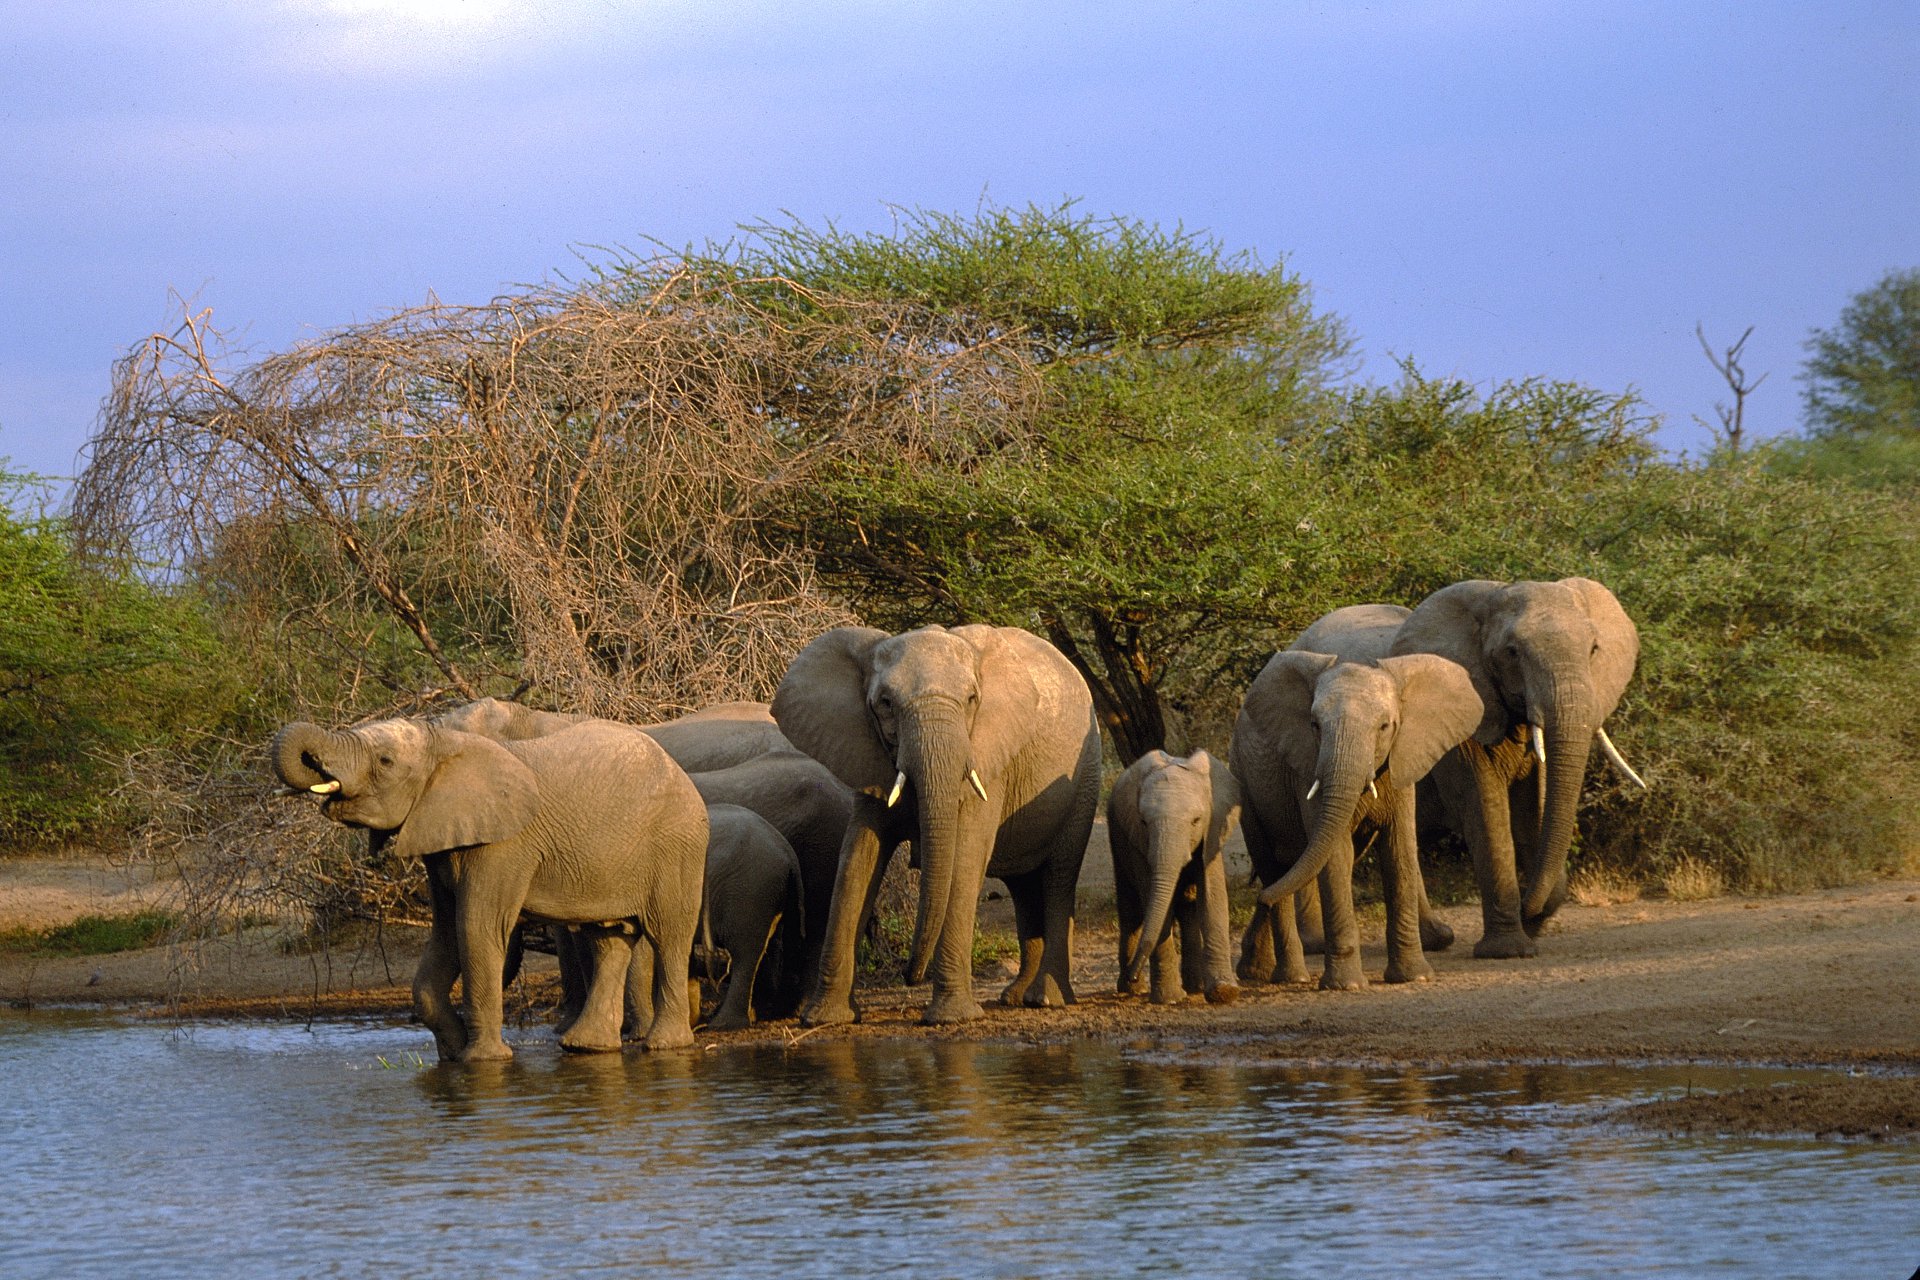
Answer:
(1824, 978)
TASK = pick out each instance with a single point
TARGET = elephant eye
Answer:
(1513, 651)
(386, 762)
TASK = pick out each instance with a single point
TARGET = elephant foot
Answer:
(677, 1036)
(1250, 971)
(1048, 993)
(1508, 944)
(1313, 944)
(486, 1050)
(1138, 987)
(729, 1020)
(1420, 971)
(950, 1007)
(1344, 976)
(1169, 993)
(588, 1044)
(1435, 935)
(1290, 975)
(827, 1012)
(1223, 993)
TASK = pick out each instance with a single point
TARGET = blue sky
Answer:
(1496, 190)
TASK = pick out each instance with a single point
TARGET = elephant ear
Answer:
(479, 793)
(1439, 709)
(1226, 806)
(1449, 623)
(821, 707)
(1280, 705)
(1619, 651)
(1005, 659)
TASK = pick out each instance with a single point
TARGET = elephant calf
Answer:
(592, 826)
(1167, 819)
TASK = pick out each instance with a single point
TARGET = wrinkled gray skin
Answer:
(1553, 654)
(1358, 731)
(753, 911)
(1167, 818)
(735, 754)
(592, 826)
(942, 706)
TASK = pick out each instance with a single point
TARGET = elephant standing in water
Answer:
(592, 826)
(1550, 661)
(978, 745)
(1329, 745)
(1167, 820)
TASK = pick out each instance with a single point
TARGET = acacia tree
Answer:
(1172, 375)
(1862, 377)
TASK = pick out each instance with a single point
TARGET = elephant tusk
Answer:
(1619, 762)
(899, 781)
(326, 788)
(974, 777)
(1371, 789)
(1539, 743)
(1313, 790)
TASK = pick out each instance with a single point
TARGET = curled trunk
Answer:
(301, 751)
(1569, 738)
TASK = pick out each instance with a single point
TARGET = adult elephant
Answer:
(715, 737)
(1330, 743)
(1550, 661)
(592, 826)
(1168, 818)
(978, 745)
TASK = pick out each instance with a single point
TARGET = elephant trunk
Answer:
(307, 756)
(1168, 855)
(1568, 739)
(935, 751)
(1345, 772)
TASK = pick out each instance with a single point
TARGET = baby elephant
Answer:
(1167, 819)
(592, 826)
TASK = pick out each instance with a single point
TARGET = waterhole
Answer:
(135, 1148)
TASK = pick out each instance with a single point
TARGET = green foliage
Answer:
(1862, 377)
(93, 663)
(94, 935)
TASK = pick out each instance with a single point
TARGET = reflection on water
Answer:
(227, 1149)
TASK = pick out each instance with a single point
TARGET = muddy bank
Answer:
(1874, 1107)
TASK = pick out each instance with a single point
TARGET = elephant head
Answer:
(505, 721)
(1337, 726)
(1552, 657)
(433, 788)
(1185, 807)
(928, 718)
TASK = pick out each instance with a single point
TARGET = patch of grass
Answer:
(1603, 886)
(1690, 879)
(93, 935)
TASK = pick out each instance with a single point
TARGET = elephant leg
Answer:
(1257, 961)
(1308, 915)
(1526, 803)
(1341, 960)
(1435, 933)
(439, 966)
(1029, 895)
(1132, 913)
(863, 856)
(1193, 947)
(573, 958)
(748, 947)
(1211, 911)
(1406, 961)
(1291, 956)
(597, 1029)
(638, 1014)
(1060, 881)
(487, 910)
(1490, 835)
(669, 931)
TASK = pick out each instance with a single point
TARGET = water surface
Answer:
(246, 1149)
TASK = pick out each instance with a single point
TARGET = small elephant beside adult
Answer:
(592, 826)
(1330, 743)
(1550, 661)
(978, 745)
(1168, 818)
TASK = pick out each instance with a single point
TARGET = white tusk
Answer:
(326, 788)
(1371, 789)
(1539, 743)
(899, 781)
(1313, 790)
(1619, 762)
(974, 778)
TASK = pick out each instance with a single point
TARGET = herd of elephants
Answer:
(762, 831)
